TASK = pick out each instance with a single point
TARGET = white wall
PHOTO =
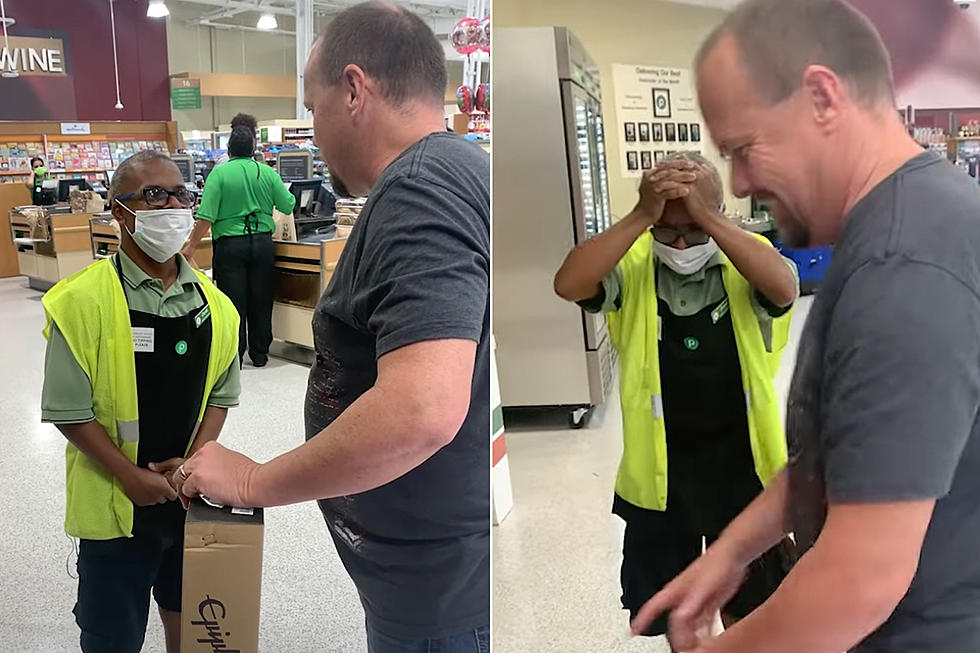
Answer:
(192, 47)
(649, 32)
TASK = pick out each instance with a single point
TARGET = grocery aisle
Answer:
(556, 557)
(308, 602)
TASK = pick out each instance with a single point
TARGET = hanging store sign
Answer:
(29, 56)
(69, 128)
(185, 93)
(656, 115)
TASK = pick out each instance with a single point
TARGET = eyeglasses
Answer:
(159, 197)
(669, 235)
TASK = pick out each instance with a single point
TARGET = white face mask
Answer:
(685, 261)
(162, 232)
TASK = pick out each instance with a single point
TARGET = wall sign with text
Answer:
(33, 56)
(657, 113)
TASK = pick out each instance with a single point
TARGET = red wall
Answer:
(84, 24)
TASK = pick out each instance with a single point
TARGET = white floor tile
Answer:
(556, 557)
(308, 602)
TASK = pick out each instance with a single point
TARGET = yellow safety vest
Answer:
(91, 312)
(634, 329)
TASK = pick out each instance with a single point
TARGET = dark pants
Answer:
(244, 269)
(474, 641)
(115, 580)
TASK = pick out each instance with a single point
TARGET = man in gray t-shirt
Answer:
(881, 491)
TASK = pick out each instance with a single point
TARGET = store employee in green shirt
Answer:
(699, 312)
(237, 206)
(141, 368)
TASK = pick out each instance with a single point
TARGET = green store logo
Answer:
(181, 347)
(691, 343)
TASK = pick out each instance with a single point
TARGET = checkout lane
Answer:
(56, 240)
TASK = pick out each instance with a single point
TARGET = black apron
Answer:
(710, 467)
(170, 384)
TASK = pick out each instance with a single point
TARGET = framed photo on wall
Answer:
(630, 132)
(659, 156)
(658, 131)
(671, 130)
(632, 162)
(646, 160)
(695, 132)
(644, 131)
(661, 103)
(682, 131)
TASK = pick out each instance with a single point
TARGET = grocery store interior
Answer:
(84, 86)
(598, 123)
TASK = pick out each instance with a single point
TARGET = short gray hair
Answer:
(778, 39)
(122, 177)
(701, 160)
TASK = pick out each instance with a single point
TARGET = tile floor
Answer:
(308, 602)
(556, 556)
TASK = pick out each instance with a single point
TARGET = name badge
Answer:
(143, 340)
(202, 316)
(719, 311)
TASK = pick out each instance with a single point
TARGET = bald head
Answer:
(777, 40)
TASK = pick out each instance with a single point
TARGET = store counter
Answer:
(104, 241)
(49, 246)
(303, 270)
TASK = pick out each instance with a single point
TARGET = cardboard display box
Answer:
(222, 579)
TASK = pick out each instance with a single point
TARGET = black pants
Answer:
(707, 489)
(116, 578)
(244, 269)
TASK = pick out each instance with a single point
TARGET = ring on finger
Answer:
(182, 473)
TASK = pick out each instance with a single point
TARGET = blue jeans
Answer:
(474, 641)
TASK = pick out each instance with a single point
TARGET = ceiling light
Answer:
(267, 21)
(157, 9)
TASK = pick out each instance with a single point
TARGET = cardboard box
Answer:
(222, 579)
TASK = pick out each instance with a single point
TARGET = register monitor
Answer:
(294, 165)
(305, 192)
(66, 186)
(184, 163)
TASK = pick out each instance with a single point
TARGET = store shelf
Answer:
(21, 173)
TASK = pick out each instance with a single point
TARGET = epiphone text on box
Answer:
(212, 626)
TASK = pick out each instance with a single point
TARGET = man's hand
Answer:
(664, 183)
(188, 253)
(148, 488)
(168, 468)
(220, 474)
(693, 598)
(692, 182)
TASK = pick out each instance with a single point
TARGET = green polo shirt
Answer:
(66, 397)
(240, 188)
(686, 295)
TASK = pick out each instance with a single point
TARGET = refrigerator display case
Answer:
(551, 192)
